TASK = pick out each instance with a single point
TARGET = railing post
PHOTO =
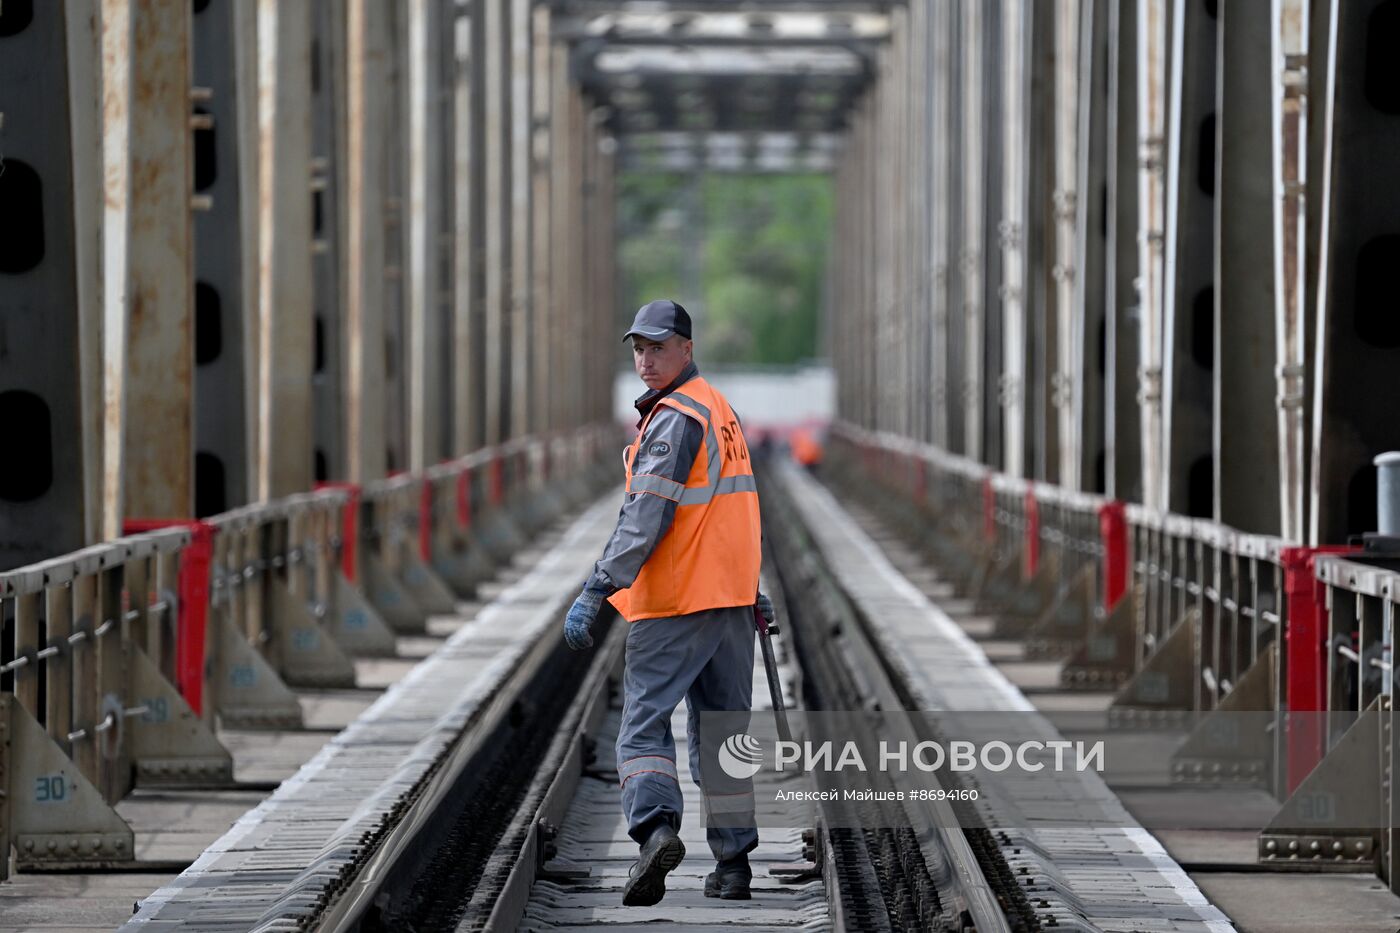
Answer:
(1032, 552)
(464, 498)
(1113, 534)
(192, 620)
(196, 561)
(425, 519)
(989, 510)
(1305, 634)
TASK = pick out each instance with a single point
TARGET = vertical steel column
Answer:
(83, 46)
(1043, 445)
(607, 271)
(989, 242)
(1122, 303)
(1188, 302)
(285, 329)
(1091, 374)
(1151, 145)
(365, 150)
(444, 110)
(329, 275)
(221, 479)
(48, 286)
(917, 80)
(1288, 113)
(878, 298)
(972, 204)
(518, 295)
(246, 105)
(496, 90)
(565, 339)
(396, 233)
(1246, 437)
(940, 247)
(423, 222)
(116, 232)
(469, 373)
(544, 313)
(1069, 321)
(954, 196)
(889, 129)
(1011, 230)
(149, 288)
(574, 252)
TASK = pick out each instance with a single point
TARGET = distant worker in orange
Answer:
(682, 568)
(806, 449)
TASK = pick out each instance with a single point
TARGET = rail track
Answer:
(512, 818)
(484, 835)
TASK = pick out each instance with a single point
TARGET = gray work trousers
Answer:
(707, 658)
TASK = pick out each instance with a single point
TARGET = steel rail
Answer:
(877, 684)
(514, 853)
(410, 844)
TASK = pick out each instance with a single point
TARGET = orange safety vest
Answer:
(709, 559)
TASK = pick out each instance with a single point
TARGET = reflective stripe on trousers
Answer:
(644, 764)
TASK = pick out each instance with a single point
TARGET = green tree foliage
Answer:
(762, 244)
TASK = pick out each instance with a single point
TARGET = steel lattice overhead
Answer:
(724, 85)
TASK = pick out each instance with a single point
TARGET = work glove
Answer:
(764, 605)
(580, 619)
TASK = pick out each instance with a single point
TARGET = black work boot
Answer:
(662, 852)
(730, 879)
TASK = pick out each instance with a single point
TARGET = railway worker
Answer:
(682, 569)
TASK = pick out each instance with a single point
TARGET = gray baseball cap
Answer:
(658, 320)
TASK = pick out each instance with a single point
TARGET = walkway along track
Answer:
(480, 793)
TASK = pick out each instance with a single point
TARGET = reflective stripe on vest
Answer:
(647, 764)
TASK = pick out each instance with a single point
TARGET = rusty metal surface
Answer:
(153, 287)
